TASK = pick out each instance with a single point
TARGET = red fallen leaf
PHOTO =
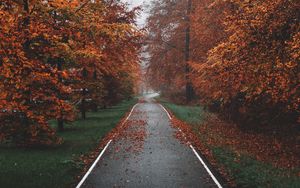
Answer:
(142, 101)
(280, 153)
(186, 135)
(117, 149)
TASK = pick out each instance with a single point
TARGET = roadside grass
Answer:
(189, 114)
(58, 166)
(246, 171)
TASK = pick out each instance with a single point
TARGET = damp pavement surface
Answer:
(148, 155)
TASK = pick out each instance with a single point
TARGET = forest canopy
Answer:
(57, 55)
(244, 56)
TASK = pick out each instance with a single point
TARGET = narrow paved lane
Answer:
(155, 159)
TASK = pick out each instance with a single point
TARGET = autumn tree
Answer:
(180, 33)
(166, 26)
(244, 55)
(254, 73)
(106, 28)
(49, 50)
(30, 87)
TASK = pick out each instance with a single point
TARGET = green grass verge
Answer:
(57, 167)
(249, 172)
(189, 114)
(246, 171)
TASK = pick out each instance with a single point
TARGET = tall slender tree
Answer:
(189, 86)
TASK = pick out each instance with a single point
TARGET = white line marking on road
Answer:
(197, 155)
(206, 167)
(102, 152)
(131, 112)
(166, 111)
(93, 166)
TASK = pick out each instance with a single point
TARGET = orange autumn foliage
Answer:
(255, 70)
(244, 56)
(165, 45)
(166, 42)
(44, 47)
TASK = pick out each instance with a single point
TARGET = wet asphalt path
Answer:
(157, 160)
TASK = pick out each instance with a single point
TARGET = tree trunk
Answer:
(83, 104)
(26, 9)
(60, 121)
(26, 5)
(84, 92)
(189, 87)
(60, 125)
(83, 111)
